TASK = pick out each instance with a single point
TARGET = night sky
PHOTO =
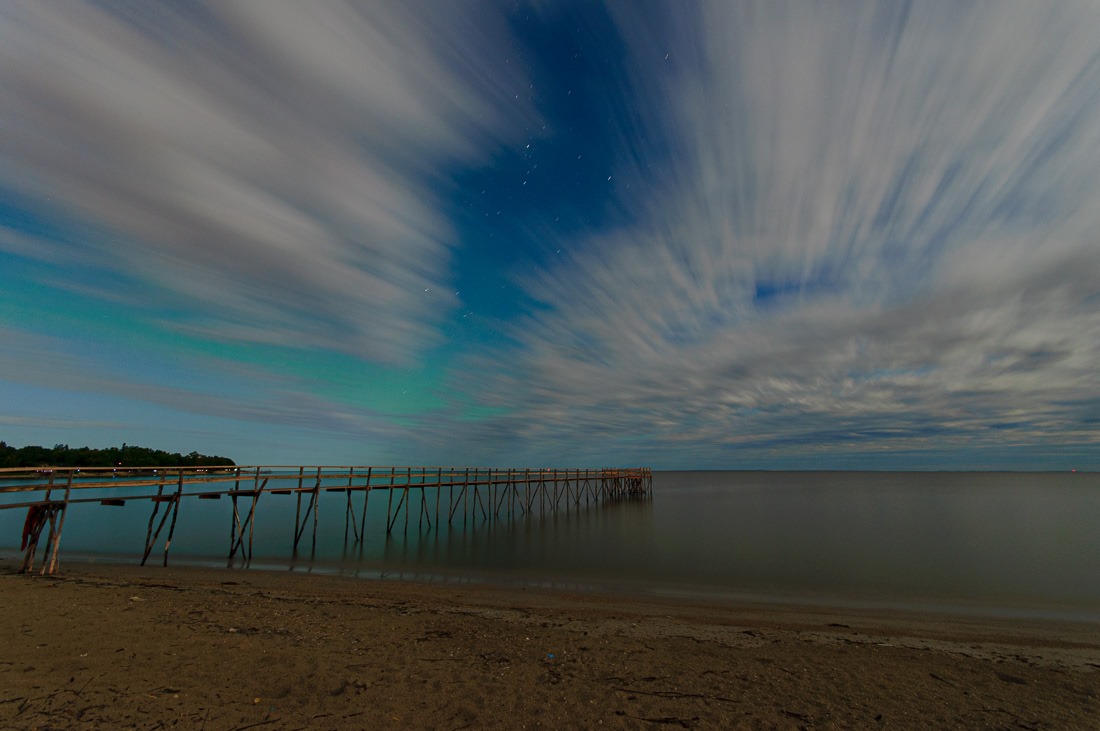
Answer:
(678, 234)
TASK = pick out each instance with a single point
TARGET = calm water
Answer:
(1008, 543)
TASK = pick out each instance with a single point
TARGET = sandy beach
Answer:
(149, 648)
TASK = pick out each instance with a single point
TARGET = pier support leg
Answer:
(389, 501)
(249, 523)
(363, 517)
(53, 544)
(300, 526)
(175, 514)
(349, 519)
(38, 517)
(316, 510)
(405, 498)
(151, 536)
(424, 507)
(438, 492)
(397, 513)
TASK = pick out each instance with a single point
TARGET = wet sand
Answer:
(151, 648)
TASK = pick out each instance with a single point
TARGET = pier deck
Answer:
(470, 494)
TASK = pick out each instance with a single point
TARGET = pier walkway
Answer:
(477, 495)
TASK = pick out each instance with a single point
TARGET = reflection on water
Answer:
(1004, 540)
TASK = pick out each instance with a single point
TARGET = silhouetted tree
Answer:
(61, 455)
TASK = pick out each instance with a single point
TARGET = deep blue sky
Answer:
(682, 234)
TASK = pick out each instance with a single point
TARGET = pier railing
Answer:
(470, 494)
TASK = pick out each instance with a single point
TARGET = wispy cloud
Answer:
(231, 394)
(56, 423)
(278, 168)
(863, 229)
(857, 229)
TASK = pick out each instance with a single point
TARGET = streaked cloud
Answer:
(57, 423)
(278, 168)
(860, 234)
(857, 229)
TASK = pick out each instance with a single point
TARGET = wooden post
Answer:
(300, 528)
(477, 494)
(420, 512)
(455, 503)
(405, 497)
(438, 492)
(149, 531)
(349, 510)
(466, 495)
(298, 507)
(363, 517)
(389, 503)
(349, 518)
(233, 515)
(36, 521)
(175, 514)
(401, 502)
(234, 521)
(316, 506)
(487, 515)
(502, 495)
(424, 497)
(37, 518)
(55, 545)
(250, 521)
(451, 494)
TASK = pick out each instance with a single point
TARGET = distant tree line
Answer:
(62, 455)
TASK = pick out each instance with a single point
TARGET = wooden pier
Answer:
(429, 495)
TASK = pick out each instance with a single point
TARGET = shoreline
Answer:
(629, 590)
(124, 646)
